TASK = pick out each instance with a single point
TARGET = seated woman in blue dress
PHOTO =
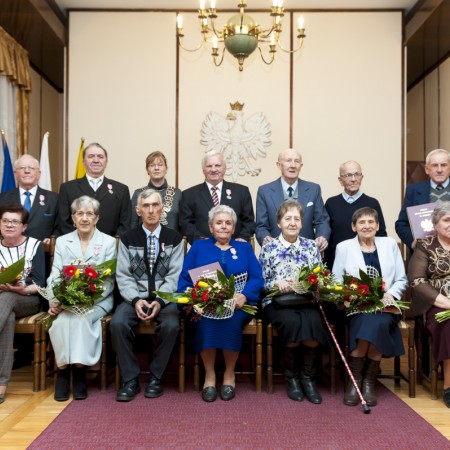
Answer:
(372, 336)
(299, 326)
(235, 257)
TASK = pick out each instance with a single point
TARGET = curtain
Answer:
(15, 68)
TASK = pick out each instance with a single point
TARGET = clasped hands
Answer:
(153, 309)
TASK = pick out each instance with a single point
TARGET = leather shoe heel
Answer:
(128, 391)
(154, 387)
(227, 392)
(209, 394)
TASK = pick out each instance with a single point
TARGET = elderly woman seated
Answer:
(235, 258)
(429, 273)
(77, 340)
(299, 326)
(372, 336)
(17, 299)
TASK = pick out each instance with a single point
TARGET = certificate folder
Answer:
(420, 220)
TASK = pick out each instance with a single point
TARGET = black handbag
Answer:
(292, 299)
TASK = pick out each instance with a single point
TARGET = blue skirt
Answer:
(380, 329)
(223, 333)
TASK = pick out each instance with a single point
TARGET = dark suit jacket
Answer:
(42, 221)
(416, 194)
(315, 220)
(115, 205)
(197, 201)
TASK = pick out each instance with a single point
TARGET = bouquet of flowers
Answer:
(78, 286)
(361, 295)
(13, 273)
(212, 298)
(442, 316)
(306, 279)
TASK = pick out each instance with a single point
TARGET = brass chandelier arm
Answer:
(191, 50)
(215, 54)
(291, 51)
(268, 62)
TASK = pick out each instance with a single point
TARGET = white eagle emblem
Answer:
(241, 143)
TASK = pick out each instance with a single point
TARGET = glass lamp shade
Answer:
(240, 34)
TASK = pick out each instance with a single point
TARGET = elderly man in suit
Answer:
(150, 259)
(198, 200)
(114, 197)
(315, 222)
(41, 204)
(437, 167)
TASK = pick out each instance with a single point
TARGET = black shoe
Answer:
(62, 385)
(129, 390)
(79, 383)
(309, 388)
(154, 387)
(227, 392)
(447, 397)
(294, 390)
(209, 394)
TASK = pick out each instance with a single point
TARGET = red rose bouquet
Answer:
(209, 297)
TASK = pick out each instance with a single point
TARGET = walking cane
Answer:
(366, 407)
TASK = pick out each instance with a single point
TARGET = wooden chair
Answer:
(410, 378)
(271, 332)
(149, 328)
(34, 325)
(254, 329)
(423, 336)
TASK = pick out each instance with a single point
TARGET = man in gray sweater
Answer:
(150, 258)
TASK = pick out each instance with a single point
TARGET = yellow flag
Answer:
(80, 170)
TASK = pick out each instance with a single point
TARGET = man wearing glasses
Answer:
(114, 197)
(341, 208)
(315, 221)
(41, 204)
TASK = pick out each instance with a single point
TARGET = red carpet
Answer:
(184, 421)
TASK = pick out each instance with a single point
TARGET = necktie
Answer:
(151, 252)
(290, 191)
(350, 200)
(27, 203)
(215, 197)
(95, 183)
(439, 187)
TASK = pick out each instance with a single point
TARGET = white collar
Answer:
(218, 186)
(287, 244)
(33, 191)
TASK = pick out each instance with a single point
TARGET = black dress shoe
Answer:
(79, 383)
(447, 397)
(294, 389)
(154, 387)
(209, 394)
(62, 385)
(128, 391)
(227, 392)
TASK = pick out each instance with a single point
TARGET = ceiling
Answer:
(65, 5)
(40, 26)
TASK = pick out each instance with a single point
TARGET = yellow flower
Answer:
(77, 273)
(183, 300)
(18, 276)
(106, 272)
(338, 288)
(202, 284)
(317, 269)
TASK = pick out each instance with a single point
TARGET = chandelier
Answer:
(241, 35)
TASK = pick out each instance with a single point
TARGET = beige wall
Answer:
(46, 114)
(346, 94)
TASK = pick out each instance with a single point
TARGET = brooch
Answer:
(228, 192)
(233, 252)
(42, 200)
(110, 188)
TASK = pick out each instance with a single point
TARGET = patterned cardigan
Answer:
(133, 274)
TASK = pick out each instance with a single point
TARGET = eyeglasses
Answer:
(153, 166)
(351, 175)
(88, 214)
(23, 168)
(14, 222)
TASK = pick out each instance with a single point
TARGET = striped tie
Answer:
(215, 197)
